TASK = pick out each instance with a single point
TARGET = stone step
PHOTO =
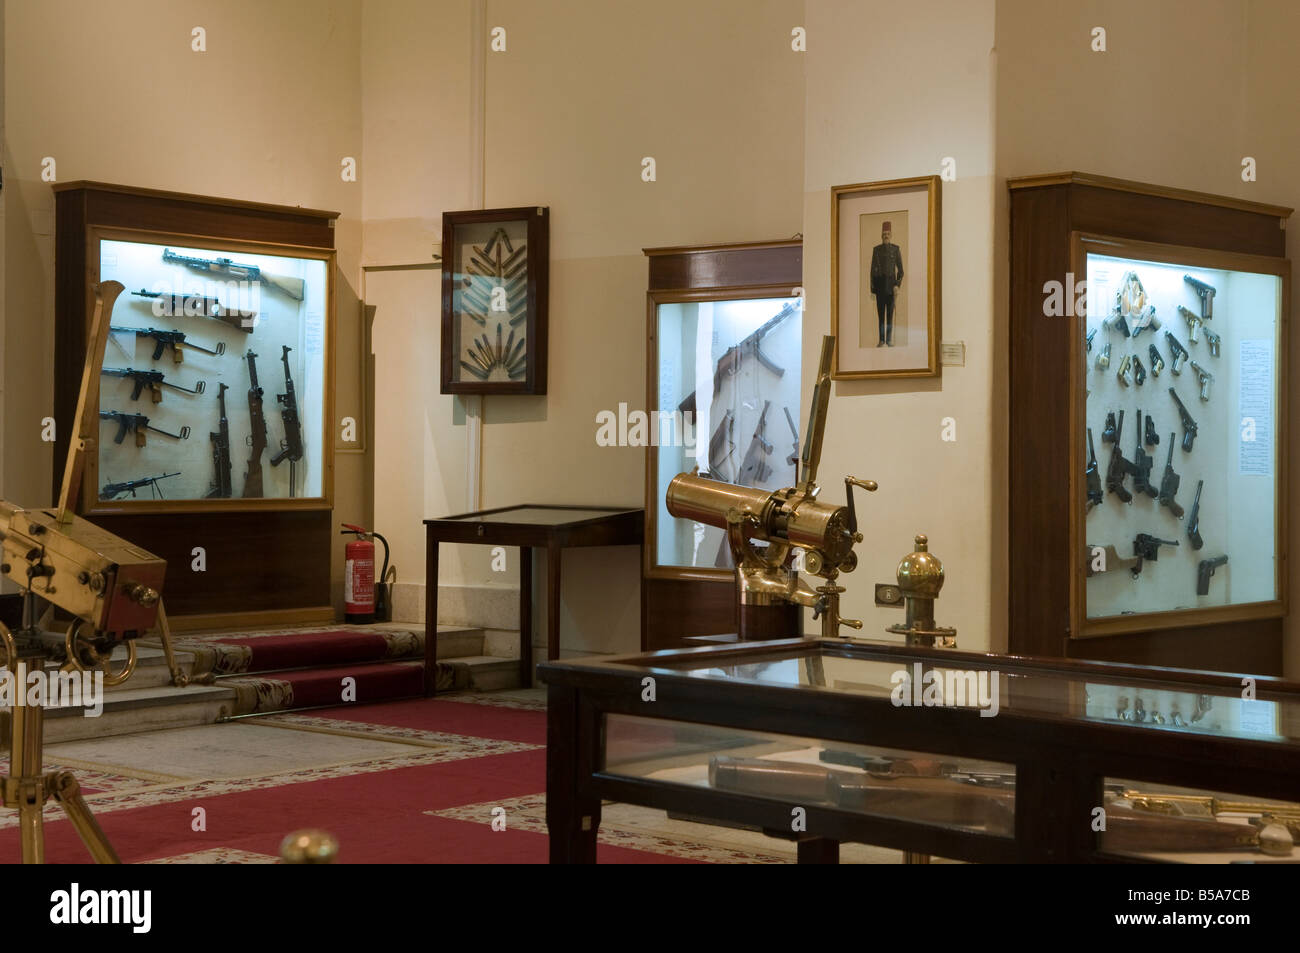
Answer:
(459, 641)
(489, 672)
(128, 709)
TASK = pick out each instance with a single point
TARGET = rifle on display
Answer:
(153, 379)
(1194, 523)
(752, 346)
(293, 287)
(164, 339)
(197, 306)
(257, 436)
(1169, 483)
(221, 451)
(1189, 425)
(111, 491)
(721, 445)
(138, 423)
(754, 469)
(291, 446)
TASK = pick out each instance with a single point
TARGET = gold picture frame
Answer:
(901, 338)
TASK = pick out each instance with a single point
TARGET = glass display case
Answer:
(1181, 404)
(494, 301)
(963, 755)
(213, 385)
(727, 404)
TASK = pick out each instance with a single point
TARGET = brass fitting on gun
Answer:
(920, 578)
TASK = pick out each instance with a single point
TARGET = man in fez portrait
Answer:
(886, 276)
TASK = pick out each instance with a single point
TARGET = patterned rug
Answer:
(465, 761)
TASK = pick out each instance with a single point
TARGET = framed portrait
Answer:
(885, 278)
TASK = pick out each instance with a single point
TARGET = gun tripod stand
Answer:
(25, 788)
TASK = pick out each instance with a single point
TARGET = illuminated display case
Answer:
(213, 384)
(1182, 479)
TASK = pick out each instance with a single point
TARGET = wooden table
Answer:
(552, 528)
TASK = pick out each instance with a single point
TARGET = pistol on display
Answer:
(1119, 468)
(1157, 362)
(1177, 352)
(1212, 341)
(1206, 293)
(1194, 523)
(1204, 378)
(1189, 425)
(138, 423)
(1122, 374)
(1147, 547)
(1141, 466)
(112, 491)
(1204, 570)
(1169, 483)
(1149, 434)
(153, 379)
(1093, 475)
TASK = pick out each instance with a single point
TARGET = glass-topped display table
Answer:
(984, 758)
(550, 527)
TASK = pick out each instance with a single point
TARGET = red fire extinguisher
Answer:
(360, 603)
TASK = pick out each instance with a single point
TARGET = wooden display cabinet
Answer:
(265, 530)
(1071, 232)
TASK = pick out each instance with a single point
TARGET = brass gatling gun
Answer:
(784, 519)
(111, 588)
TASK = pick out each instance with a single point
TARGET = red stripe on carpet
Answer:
(460, 718)
(311, 648)
(373, 682)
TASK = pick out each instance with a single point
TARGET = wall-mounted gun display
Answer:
(1212, 341)
(1206, 293)
(1100, 559)
(197, 306)
(1147, 547)
(294, 287)
(1189, 425)
(154, 380)
(112, 491)
(1204, 570)
(1108, 432)
(163, 339)
(1139, 372)
(721, 446)
(1193, 323)
(221, 487)
(1169, 482)
(138, 423)
(750, 347)
(1124, 368)
(1103, 358)
(1151, 438)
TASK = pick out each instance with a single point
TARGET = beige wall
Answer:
(892, 90)
(114, 93)
(1185, 90)
(582, 93)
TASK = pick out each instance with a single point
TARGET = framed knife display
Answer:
(494, 300)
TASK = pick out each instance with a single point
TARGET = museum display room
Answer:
(498, 431)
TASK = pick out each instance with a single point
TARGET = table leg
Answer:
(525, 617)
(818, 850)
(571, 821)
(553, 602)
(431, 616)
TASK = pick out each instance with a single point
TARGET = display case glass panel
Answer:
(913, 786)
(728, 404)
(1162, 823)
(1182, 409)
(214, 378)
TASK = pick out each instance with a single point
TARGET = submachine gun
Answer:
(111, 589)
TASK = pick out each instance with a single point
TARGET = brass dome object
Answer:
(920, 577)
(920, 573)
(309, 846)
